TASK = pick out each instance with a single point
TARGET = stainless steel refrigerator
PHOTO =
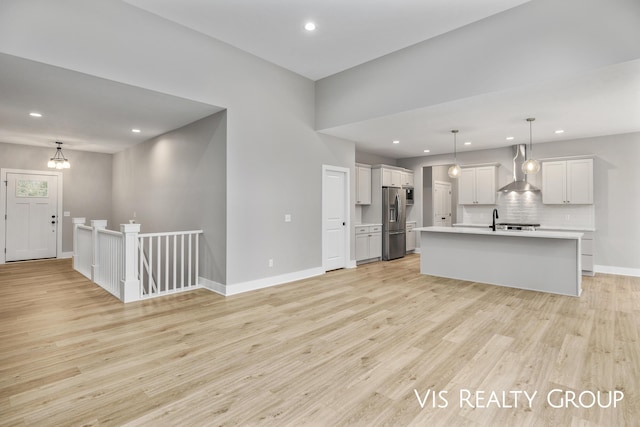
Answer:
(393, 223)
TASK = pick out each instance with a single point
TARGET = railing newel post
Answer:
(130, 283)
(76, 222)
(96, 224)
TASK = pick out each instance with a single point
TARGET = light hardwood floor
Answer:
(346, 348)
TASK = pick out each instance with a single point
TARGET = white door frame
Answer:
(3, 202)
(347, 214)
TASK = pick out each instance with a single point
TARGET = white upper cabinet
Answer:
(407, 179)
(391, 177)
(363, 185)
(567, 182)
(477, 186)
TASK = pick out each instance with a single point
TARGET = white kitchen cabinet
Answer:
(363, 185)
(567, 182)
(411, 236)
(477, 186)
(391, 178)
(407, 179)
(368, 242)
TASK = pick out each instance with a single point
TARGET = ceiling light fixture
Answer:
(510, 138)
(135, 130)
(531, 166)
(59, 161)
(454, 170)
(396, 142)
(427, 151)
(467, 143)
(34, 114)
(559, 131)
(310, 26)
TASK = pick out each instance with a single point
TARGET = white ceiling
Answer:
(602, 102)
(84, 112)
(348, 33)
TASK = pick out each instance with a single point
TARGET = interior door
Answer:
(442, 203)
(335, 219)
(32, 223)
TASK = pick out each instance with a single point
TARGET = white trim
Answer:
(66, 255)
(621, 271)
(216, 287)
(352, 263)
(347, 214)
(252, 285)
(3, 201)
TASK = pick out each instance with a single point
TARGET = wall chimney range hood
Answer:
(519, 183)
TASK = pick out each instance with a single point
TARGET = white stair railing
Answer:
(82, 244)
(133, 266)
(168, 262)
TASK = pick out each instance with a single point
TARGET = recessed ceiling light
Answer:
(396, 142)
(310, 26)
(135, 130)
(467, 143)
(560, 131)
(34, 114)
(510, 138)
(427, 151)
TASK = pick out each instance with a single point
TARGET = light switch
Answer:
(287, 218)
(67, 213)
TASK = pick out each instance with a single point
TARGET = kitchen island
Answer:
(546, 261)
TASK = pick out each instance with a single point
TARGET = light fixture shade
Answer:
(531, 167)
(58, 161)
(454, 171)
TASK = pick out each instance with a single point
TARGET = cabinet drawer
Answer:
(587, 262)
(375, 229)
(587, 247)
(362, 230)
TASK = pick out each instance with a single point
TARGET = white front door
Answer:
(334, 209)
(31, 222)
(442, 203)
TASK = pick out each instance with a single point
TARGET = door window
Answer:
(31, 188)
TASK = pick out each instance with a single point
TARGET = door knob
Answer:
(53, 222)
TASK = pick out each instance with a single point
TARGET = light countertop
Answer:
(510, 233)
(542, 227)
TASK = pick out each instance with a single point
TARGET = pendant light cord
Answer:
(530, 120)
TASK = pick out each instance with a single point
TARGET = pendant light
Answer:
(531, 166)
(454, 170)
(59, 161)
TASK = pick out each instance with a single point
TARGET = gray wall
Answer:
(616, 188)
(510, 49)
(176, 182)
(86, 185)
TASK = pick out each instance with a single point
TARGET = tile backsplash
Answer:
(528, 208)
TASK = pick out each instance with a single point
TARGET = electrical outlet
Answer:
(134, 214)
(567, 217)
(287, 218)
(270, 263)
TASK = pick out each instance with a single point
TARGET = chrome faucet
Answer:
(495, 215)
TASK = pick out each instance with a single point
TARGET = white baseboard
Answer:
(621, 271)
(351, 264)
(216, 287)
(66, 255)
(253, 285)
(416, 251)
